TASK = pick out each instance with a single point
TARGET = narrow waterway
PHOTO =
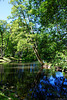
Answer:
(17, 82)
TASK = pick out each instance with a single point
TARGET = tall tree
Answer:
(3, 25)
(23, 27)
(32, 18)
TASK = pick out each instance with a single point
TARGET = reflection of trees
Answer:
(1, 72)
(50, 87)
(18, 80)
(24, 84)
(1, 69)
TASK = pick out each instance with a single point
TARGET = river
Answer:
(17, 82)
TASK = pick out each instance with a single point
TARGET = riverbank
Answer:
(4, 60)
(9, 59)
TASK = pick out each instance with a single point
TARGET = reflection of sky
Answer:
(52, 80)
(31, 68)
(59, 74)
(52, 86)
(22, 68)
(65, 82)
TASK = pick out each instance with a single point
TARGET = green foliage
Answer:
(60, 60)
(28, 55)
(23, 28)
(35, 24)
(52, 12)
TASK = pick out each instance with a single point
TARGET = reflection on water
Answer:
(16, 81)
(50, 88)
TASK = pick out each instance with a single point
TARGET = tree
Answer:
(3, 25)
(33, 19)
(22, 27)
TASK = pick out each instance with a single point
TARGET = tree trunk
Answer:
(2, 45)
(38, 56)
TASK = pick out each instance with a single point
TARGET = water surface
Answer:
(18, 81)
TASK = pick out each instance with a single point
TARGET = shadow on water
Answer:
(17, 82)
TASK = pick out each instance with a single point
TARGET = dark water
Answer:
(19, 82)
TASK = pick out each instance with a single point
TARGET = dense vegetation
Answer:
(37, 31)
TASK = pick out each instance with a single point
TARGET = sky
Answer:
(5, 9)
